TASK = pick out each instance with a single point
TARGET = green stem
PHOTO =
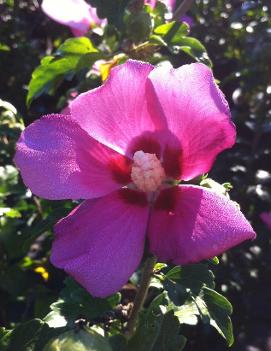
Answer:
(182, 9)
(141, 294)
(173, 30)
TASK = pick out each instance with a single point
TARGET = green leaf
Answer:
(158, 327)
(46, 334)
(159, 300)
(156, 282)
(54, 319)
(16, 240)
(78, 340)
(158, 13)
(29, 336)
(49, 75)
(113, 10)
(31, 233)
(194, 48)
(68, 60)
(157, 332)
(9, 212)
(8, 180)
(75, 301)
(175, 35)
(192, 277)
(118, 342)
(219, 309)
(191, 289)
(4, 338)
(187, 313)
(4, 47)
(138, 26)
(8, 107)
(10, 3)
(159, 266)
(214, 260)
(23, 336)
(212, 308)
(164, 29)
(169, 338)
(156, 39)
(76, 46)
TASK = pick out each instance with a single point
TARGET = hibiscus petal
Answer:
(169, 3)
(152, 3)
(196, 112)
(76, 14)
(195, 224)
(100, 244)
(117, 112)
(59, 160)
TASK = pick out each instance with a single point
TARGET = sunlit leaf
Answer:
(219, 309)
(83, 339)
(73, 55)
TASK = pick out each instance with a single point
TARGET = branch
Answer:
(182, 9)
(141, 294)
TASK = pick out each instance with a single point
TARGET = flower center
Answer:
(147, 171)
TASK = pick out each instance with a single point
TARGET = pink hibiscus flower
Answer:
(122, 148)
(266, 218)
(78, 15)
(169, 3)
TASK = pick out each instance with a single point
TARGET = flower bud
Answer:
(139, 26)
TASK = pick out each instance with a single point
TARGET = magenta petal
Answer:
(100, 244)
(197, 225)
(76, 14)
(59, 160)
(152, 3)
(196, 112)
(116, 112)
(78, 32)
(169, 3)
(188, 20)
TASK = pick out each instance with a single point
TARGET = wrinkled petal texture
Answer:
(59, 160)
(196, 111)
(100, 244)
(76, 14)
(195, 224)
(117, 112)
(266, 218)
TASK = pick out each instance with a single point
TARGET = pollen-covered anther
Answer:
(147, 172)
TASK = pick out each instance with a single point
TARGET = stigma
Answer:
(147, 172)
